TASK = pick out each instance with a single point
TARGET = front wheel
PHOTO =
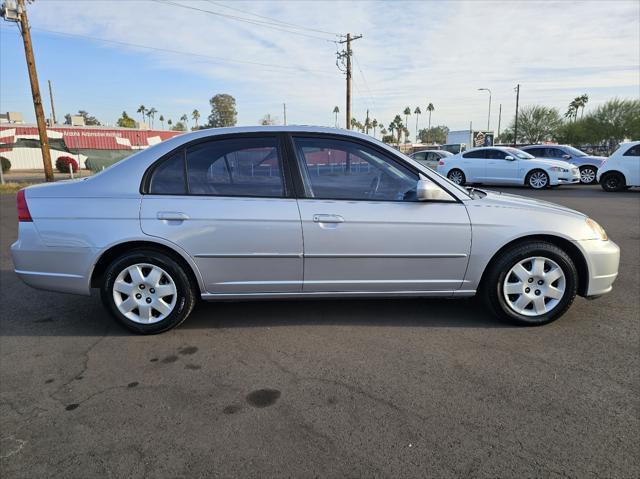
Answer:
(457, 176)
(612, 182)
(588, 175)
(530, 284)
(537, 179)
(147, 291)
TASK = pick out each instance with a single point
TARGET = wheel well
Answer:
(567, 246)
(613, 172)
(115, 251)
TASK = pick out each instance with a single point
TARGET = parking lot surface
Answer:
(359, 388)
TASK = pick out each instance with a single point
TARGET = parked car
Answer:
(506, 166)
(622, 169)
(587, 164)
(430, 158)
(454, 148)
(221, 214)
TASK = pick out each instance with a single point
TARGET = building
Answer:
(103, 146)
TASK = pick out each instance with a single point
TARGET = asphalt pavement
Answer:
(358, 388)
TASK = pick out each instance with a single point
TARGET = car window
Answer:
(419, 156)
(495, 154)
(235, 167)
(554, 153)
(633, 151)
(341, 169)
(431, 156)
(474, 154)
(539, 152)
(168, 177)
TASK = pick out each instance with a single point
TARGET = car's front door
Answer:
(225, 202)
(364, 230)
(499, 170)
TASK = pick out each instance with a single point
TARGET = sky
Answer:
(410, 54)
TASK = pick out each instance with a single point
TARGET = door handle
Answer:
(328, 219)
(172, 216)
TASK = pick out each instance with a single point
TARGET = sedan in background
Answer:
(506, 166)
(587, 164)
(622, 169)
(430, 158)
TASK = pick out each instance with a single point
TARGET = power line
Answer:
(260, 23)
(274, 19)
(364, 79)
(180, 52)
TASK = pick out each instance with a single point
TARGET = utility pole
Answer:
(499, 119)
(284, 110)
(515, 130)
(347, 56)
(53, 110)
(16, 12)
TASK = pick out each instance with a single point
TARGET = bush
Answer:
(63, 162)
(98, 164)
(6, 164)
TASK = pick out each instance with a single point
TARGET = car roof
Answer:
(266, 129)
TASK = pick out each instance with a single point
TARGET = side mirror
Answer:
(509, 158)
(427, 190)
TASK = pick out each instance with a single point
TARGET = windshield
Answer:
(574, 151)
(522, 155)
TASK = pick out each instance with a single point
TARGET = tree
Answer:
(223, 111)
(151, 114)
(161, 121)
(436, 134)
(88, 119)
(374, 124)
(417, 112)
(430, 109)
(169, 122)
(399, 127)
(179, 127)
(582, 102)
(125, 121)
(196, 116)
(367, 125)
(406, 113)
(537, 124)
(142, 110)
(336, 110)
(184, 119)
(268, 120)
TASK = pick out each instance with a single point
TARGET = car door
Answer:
(364, 231)
(631, 164)
(498, 169)
(473, 165)
(227, 203)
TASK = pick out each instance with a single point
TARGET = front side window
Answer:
(235, 167)
(554, 153)
(341, 169)
(474, 154)
(495, 154)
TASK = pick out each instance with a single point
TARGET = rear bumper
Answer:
(62, 269)
(603, 258)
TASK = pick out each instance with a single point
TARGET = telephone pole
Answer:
(499, 120)
(16, 12)
(284, 111)
(53, 110)
(515, 130)
(347, 56)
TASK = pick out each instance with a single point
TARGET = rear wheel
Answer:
(613, 182)
(457, 176)
(530, 284)
(147, 291)
(588, 175)
(537, 179)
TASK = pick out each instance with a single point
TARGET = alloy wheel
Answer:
(144, 293)
(456, 177)
(534, 286)
(538, 179)
(587, 175)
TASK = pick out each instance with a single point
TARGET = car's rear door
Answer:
(473, 165)
(364, 230)
(227, 202)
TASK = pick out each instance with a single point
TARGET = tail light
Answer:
(441, 162)
(23, 208)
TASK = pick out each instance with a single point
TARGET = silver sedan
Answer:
(290, 212)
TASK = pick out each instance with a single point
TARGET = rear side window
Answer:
(235, 167)
(474, 154)
(633, 151)
(168, 177)
(539, 152)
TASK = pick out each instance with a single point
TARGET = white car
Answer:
(430, 158)
(506, 166)
(622, 169)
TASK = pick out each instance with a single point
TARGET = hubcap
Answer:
(587, 175)
(144, 293)
(456, 177)
(538, 179)
(548, 277)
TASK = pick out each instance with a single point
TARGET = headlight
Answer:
(559, 169)
(597, 229)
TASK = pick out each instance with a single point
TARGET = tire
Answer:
(530, 302)
(146, 280)
(457, 176)
(588, 175)
(537, 179)
(613, 182)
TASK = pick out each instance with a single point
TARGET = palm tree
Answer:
(406, 113)
(143, 111)
(354, 122)
(571, 111)
(196, 116)
(184, 119)
(169, 122)
(392, 127)
(374, 124)
(574, 106)
(430, 108)
(397, 121)
(367, 125)
(417, 112)
(161, 121)
(336, 110)
(152, 114)
(582, 101)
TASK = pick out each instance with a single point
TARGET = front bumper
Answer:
(603, 258)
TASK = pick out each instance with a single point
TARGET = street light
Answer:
(489, 116)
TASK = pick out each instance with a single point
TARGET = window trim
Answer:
(299, 182)
(281, 145)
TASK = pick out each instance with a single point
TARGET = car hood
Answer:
(504, 200)
(595, 159)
